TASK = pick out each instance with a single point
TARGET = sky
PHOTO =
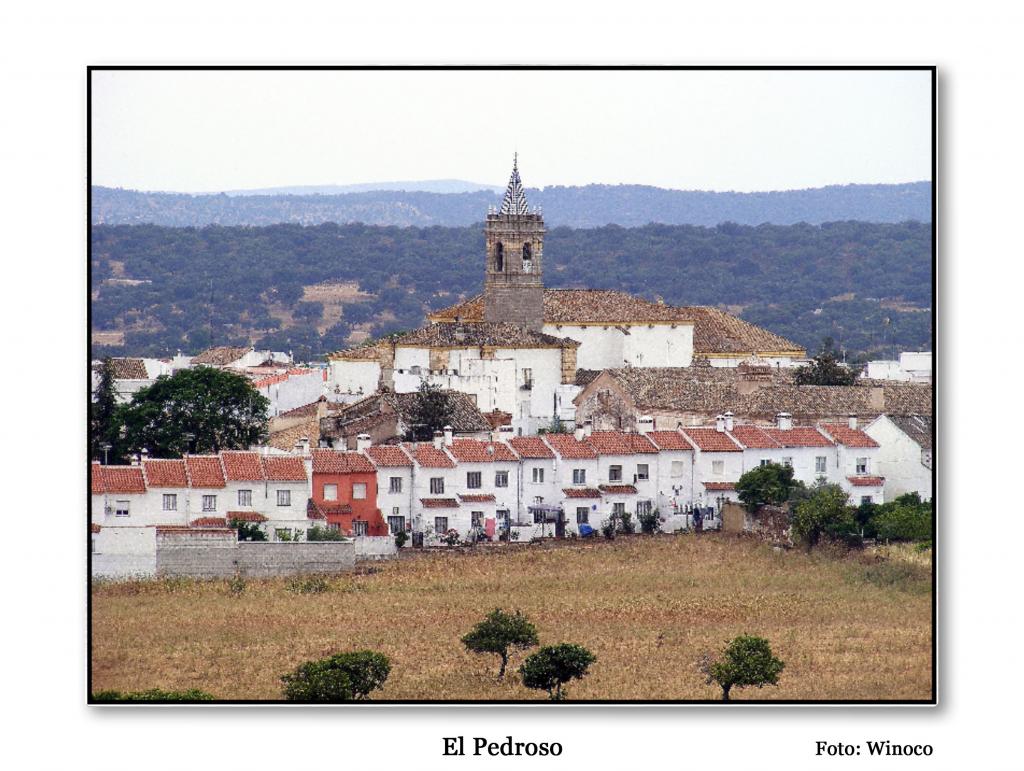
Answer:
(208, 131)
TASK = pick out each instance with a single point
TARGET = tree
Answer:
(500, 631)
(824, 512)
(342, 677)
(431, 411)
(104, 416)
(770, 484)
(195, 411)
(904, 519)
(318, 533)
(554, 665)
(746, 661)
(248, 531)
(825, 369)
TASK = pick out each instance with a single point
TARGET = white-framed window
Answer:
(538, 476)
(579, 476)
(245, 497)
(820, 464)
(501, 479)
(787, 461)
(440, 525)
(582, 515)
(121, 509)
(615, 473)
(436, 485)
(618, 509)
(360, 527)
(643, 507)
(359, 491)
(284, 497)
(330, 492)
(677, 468)
(395, 485)
(527, 377)
(765, 461)
(643, 471)
(170, 502)
(474, 480)
(209, 503)
(476, 518)
(718, 467)
(862, 465)
(865, 499)
(396, 523)
(502, 516)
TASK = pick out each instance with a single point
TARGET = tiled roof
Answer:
(476, 498)
(619, 443)
(669, 440)
(848, 437)
(313, 510)
(242, 466)
(306, 410)
(370, 352)
(246, 516)
(337, 462)
(531, 446)
(388, 455)
(439, 503)
(381, 407)
(711, 440)
(799, 436)
(129, 369)
(475, 451)
(165, 473)
(716, 331)
(205, 471)
(117, 479)
(94, 528)
(866, 481)
(581, 492)
(429, 456)
(754, 437)
(497, 334)
(289, 437)
(209, 522)
(283, 468)
(497, 418)
(719, 485)
(617, 489)
(220, 356)
(917, 427)
(567, 446)
(466, 417)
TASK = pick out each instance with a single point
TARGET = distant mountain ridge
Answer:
(423, 185)
(580, 206)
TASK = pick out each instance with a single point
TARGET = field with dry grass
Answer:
(848, 627)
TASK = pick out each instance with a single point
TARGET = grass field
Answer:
(851, 628)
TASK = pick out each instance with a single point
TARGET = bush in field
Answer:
(342, 677)
(767, 485)
(746, 661)
(824, 512)
(499, 632)
(400, 538)
(608, 528)
(555, 665)
(626, 522)
(309, 585)
(318, 533)
(650, 522)
(904, 519)
(154, 695)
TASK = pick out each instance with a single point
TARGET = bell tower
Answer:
(513, 280)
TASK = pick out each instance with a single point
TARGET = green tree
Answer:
(431, 411)
(824, 512)
(555, 665)
(499, 632)
(904, 519)
(195, 410)
(825, 369)
(746, 661)
(248, 531)
(104, 417)
(771, 484)
(342, 677)
(318, 533)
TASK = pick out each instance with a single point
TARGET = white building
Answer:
(718, 463)
(856, 456)
(575, 476)
(913, 367)
(486, 484)
(395, 494)
(904, 454)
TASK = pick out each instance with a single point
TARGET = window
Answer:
(436, 485)
(643, 471)
(579, 476)
(395, 485)
(862, 465)
(582, 515)
(677, 468)
(527, 257)
(643, 507)
(170, 502)
(396, 524)
(360, 527)
(284, 497)
(527, 377)
(765, 461)
(787, 461)
(501, 479)
(120, 508)
(474, 480)
(245, 497)
(359, 491)
(618, 509)
(615, 473)
(538, 476)
(718, 467)
(865, 499)
(499, 257)
(209, 503)
(441, 525)
(330, 492)
(502, 517)
(477, 518)
(819, 464)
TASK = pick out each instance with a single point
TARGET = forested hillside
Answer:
(316, 288)
(579, 207)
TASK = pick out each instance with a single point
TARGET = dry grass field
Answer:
(851, 628)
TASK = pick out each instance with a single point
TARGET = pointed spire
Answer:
(515, 196)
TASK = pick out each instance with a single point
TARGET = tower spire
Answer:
(515, 197)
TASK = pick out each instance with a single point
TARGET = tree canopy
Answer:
(746, 661)
(499, 632)
(825, 369)
(550, 668)
(432, 411)
(823, 512)
(769, 484)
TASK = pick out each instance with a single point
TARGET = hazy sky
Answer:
(756, 130)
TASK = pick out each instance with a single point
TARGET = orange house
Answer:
(345, 493)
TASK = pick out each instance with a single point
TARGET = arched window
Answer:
(499, 258)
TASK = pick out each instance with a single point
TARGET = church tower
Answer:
(513, 282)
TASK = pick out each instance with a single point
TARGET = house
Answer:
(395, 496)
(675, 477)
(131, 375)
(486, 484)
(626, 464)
(718, 463)
(287, 388)
(856, 456)
(912, 366)
(435, 482)
(167, 485)
(905, 453)
(572, 467)
(812, 453)
(345, 492)
(118, 495)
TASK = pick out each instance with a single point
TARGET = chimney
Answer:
(588, 427)
(645, 424)
(505, 433)
(135, 460)
(784, 421)
(363, 442)
(144, 455)
(853, 420)
(438, 439)
(578, 433)
(303, 445)
(728, 420)
(448, 435)
(720, 423)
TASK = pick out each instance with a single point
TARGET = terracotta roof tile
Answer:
(129, 369)
(670, 440)
(531, 446)
(719, 485)
(165, 473)
(428, 456)
(439, 503)
(284, 468)
(617, 489)
(289, 437)
(118, 479)
(619, 443)
(475, 451)
(866, 481)
(246, 516)
(711, 440)
(242, 466)
(849, 437)
(754, 437)
(581, 492)
(209, 522)
(477, 498)
(220, 356)
(205, 470)
(917, 427)
(799, 436)
(567, 446)
(388, 455)
(337, 462)
(313, 510)
(497, 334)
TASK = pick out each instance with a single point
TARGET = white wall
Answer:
(353, 377)
(900, 461)
(655, 345)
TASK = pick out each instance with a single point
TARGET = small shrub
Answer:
(154, 695)
(626, 522)
(450, 537)
(342, 677)
(248, 531)
(400, 538)
(650, 522)
(318, 533)
(608, 529)
(236, 584)
(314, 584)
(746, 661)
(555, 665)
(500, 631)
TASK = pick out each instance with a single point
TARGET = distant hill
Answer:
(580, 207)
(423, 185)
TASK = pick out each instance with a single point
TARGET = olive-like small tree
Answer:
(746, 661)
(554, 665)
(342, 677)
(500, 631)
(770, 484)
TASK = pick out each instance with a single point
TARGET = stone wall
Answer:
(375, 547)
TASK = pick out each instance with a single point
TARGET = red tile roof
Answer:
(246, 516)
(799, 436)
(754, 437)
(849, 437)
(476, 498)
(283, 468)
(117, 479)
(205, 471)
(337, 462)
(165, 473)
(210, 522)
(429, 456)
(719, 485)
(531, 446)
(242, 466)
(619, 443)
(567, 446)
(96, 478)
(670, 440)
(94, 528)
(475, 451)
(388, 455)
(439, 503)
(711, 440)
(866, 481)
(313, 510)
(581, 492)
(617, 489)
